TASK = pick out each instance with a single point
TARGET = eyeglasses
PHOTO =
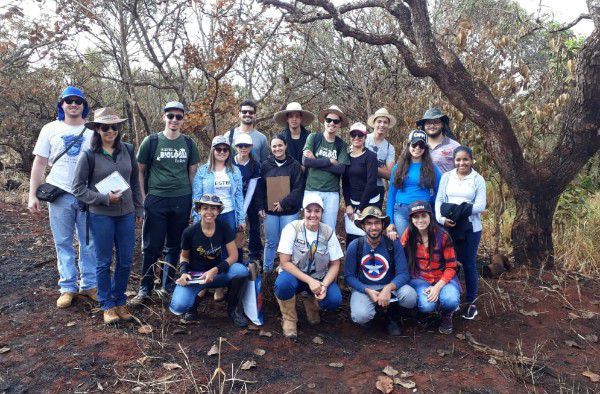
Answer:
(73, 100)
(221, 150)
(243, 146)
(419, 145)
(106, 127)
(210, 198)
(247, 112)
(356, 134)
(334, 121)
(170, 116)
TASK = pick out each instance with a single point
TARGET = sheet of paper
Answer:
(350, 227)
(250, 192)
(112, 182)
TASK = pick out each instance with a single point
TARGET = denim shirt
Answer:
(204, 182)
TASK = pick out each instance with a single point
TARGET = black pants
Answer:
(165, 217)
(254, 243)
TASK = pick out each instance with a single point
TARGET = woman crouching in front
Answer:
(310, 253)
(202, 266)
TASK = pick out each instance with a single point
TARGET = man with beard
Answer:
(439, 138)
(260, 152)
(376, 270)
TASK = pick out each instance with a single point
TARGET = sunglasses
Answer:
(334, 121)
(247, 112)
(356, 134)
(106, 127)
(170, 116)
(221, 150)
(73, 100)
(419, 145)
(243, 146)
(210, 198)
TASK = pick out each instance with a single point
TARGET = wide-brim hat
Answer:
(334, 109)
(381, 113)
(209, 199)
(105, 115)
(433, 113)
(371, 211)
(281, 117)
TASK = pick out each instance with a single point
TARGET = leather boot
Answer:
(234, 307)
(311, 306)
(110, 316)
(192, 313)
(289, 319)
(393, 320)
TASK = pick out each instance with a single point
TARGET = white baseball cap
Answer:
(242, 138)
(312, 199)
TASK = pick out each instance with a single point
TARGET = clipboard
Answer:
(114, 181)
(278, 187)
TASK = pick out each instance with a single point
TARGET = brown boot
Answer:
(65, 300)
(219, 295)
(90, 293)
(110, 316)
(289, 319)
(123, 313)
(311, 306)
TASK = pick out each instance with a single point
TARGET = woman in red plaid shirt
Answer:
(432, 265)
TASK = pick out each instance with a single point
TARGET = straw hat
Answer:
(334, 109)
(281, 117)
(381, 113)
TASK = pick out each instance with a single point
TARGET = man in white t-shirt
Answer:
(381, 122)
(68, 133)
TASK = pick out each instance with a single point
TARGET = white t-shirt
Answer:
(223, 190)
(386, 153)
(54, 138)
(288, 236)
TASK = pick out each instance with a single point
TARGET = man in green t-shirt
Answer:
(325, 158)
(168, 161)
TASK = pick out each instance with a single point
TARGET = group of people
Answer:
(403, 262)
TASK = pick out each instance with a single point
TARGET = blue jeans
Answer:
(363, 309)
(273, 226)
(287, 286)
(448, 301)
(184, 296)
(66, 220)
(331, 206)
(109, 231)
(466, 253)
(229, 219)
(401, 218)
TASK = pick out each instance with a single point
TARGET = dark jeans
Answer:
(255, 246)
(466, 253)
(165, 217)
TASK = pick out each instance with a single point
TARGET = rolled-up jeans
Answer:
(331, 206)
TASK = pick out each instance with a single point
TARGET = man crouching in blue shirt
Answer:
(376, 270)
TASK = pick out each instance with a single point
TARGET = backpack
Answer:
(389, 245)
(152, 151)
(338, 143)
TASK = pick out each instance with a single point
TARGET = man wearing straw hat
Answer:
(294, 120)
(326, 157)
(381, 122)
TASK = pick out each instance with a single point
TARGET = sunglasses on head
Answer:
(356, 134)
(247, 112)
(73, 100)
(220, 149)
(170, 116)
(243, 146)
(334, 121)
(106, 127)
(210, 198)
(419, 145)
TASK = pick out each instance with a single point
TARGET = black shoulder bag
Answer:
(48, 192)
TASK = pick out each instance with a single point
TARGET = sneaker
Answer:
(90, 293)
(65, 300)
(123, 313)
(110, 316)
(140, 298)
(470, 312)
(446, 324)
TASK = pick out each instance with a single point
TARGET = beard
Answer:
(247, 121)
(435, 134)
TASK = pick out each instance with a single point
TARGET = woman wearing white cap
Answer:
(359, 182)
(310, 254)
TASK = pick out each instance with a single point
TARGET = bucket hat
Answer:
(371, 211)
(433, 113)
(281, 117)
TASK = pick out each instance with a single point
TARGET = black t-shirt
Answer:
(205, 252)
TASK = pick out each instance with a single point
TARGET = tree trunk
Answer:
(531, 233)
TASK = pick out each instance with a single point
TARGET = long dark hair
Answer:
(413, 236)
(427, 178)
(96, 143)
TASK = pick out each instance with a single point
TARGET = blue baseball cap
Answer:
(174, 105)
(71, 91)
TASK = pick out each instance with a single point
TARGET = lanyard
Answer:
(311, 250)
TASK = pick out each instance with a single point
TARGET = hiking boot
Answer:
(110, 316)
(423, 320)
(446, 324)
(470, 312)
(234, 309)
(238, 318)
(219, 295)
(140, 298)
(90, 293)
(394, 320)
(65, 300)
(191, 315)
(123, 313)
(289, 321)
(311, 306)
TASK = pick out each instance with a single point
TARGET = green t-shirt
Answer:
(321, 180)
(168, 171)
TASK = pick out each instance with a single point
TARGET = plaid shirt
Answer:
(437, 269)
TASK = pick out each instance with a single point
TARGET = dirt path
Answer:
(51, 350)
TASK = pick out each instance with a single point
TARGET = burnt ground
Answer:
(535, 333)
